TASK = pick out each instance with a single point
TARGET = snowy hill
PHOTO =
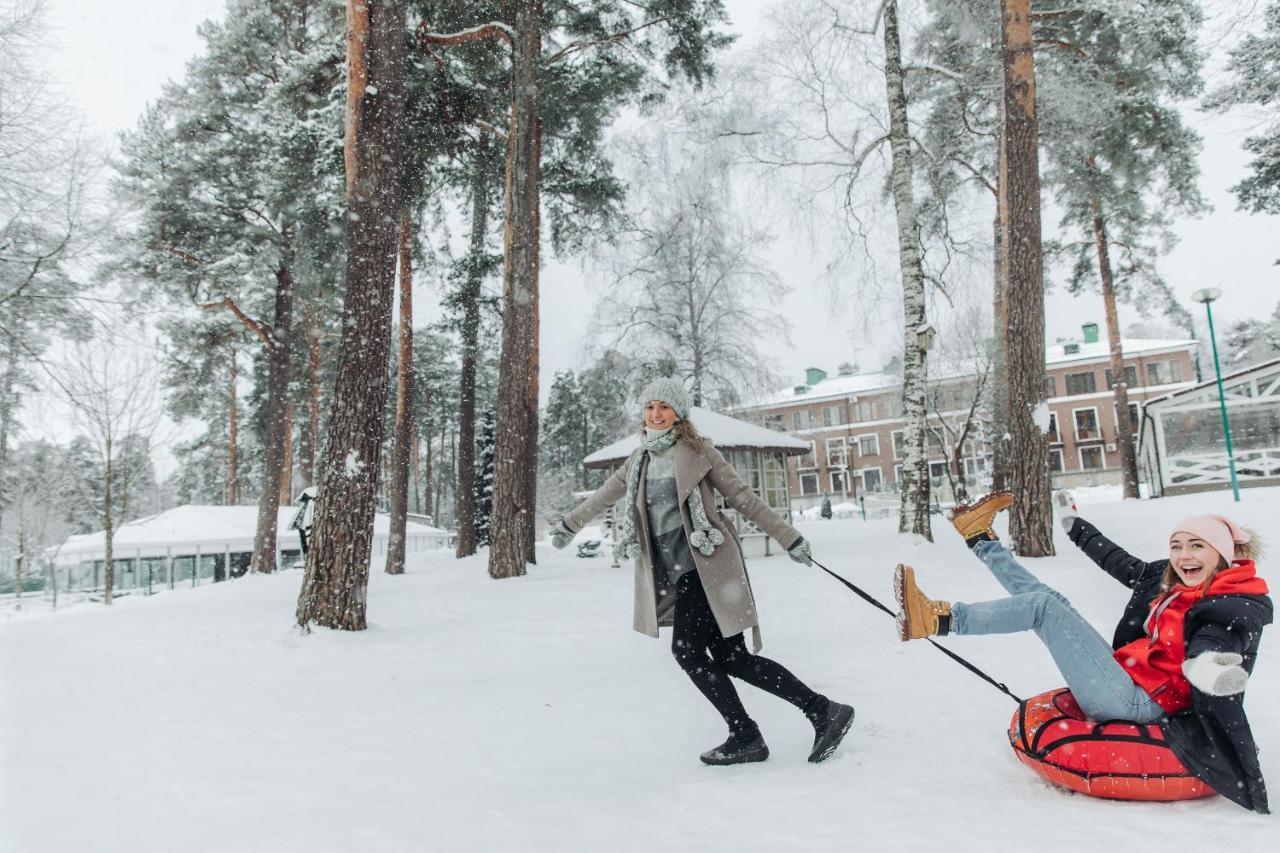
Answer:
(525, 715)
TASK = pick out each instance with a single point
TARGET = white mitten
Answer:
(1216, 673)
(1065, 504)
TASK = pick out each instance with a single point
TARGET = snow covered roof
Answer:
(1269, 366)
(727, 433)
(213, 528)
(1056, 353)
(865, 383)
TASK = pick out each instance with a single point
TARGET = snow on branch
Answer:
(575, 47)
(262, 330)
(935, 69)
(476, 33)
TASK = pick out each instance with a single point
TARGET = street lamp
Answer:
(1207, 295)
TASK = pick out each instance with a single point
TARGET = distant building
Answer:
(853, 421)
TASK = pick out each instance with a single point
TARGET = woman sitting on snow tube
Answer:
(1182, 652)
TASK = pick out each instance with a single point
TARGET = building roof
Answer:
(214, 528)
(866, 383)
(727, 433)
(1227, 379)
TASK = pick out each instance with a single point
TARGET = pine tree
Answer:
(333, 589)
(485, 436)
(1255, 66)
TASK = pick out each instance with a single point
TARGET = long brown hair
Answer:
(1251, 550)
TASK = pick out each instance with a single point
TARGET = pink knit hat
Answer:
(1218, 530)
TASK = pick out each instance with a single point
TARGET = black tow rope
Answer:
(870, 599)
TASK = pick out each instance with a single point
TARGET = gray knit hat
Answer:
(670, 391)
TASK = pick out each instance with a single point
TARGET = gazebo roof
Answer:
(727, 433)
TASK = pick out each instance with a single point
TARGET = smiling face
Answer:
(1193, 559)
(658, 415)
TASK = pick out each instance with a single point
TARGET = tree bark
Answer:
(334, 588)
(279, 361)
(513, 507)
(286, 467)
(310, 438)
(1001, 473)
(465, 506)
(1124, 424)
(1031, 516)
(231, 495)
(108, 523)
(914, 513)
(398, 476)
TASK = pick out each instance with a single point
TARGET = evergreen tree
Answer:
(1255, 67)
(485, 436)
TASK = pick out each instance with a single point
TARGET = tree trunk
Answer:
(279, 361)
(429, 474)
(231, 495)
(914, 513)
(334, 588)
(1124, 424)
(310, 438)
(1031, 516)
(1001, 472)
(108, 524)
(415, 464)
(465, 506)
(513, 506)
(286, 467)
(398, 479)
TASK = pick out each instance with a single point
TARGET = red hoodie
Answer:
(1154, 662)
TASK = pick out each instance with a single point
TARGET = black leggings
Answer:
(709, 658)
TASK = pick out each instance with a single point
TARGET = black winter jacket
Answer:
(1212, 738)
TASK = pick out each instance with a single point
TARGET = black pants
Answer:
(709, 659)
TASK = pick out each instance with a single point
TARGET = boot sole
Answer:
(741, 758)
(899, 592)
(834, 741)
(961, 516)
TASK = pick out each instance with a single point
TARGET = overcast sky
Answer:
(114, 57)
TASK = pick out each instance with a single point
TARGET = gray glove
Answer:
(800, 552)
(1216, 673)
(1065, 504)
(561, 535)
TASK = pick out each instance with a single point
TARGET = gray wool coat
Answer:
(723, 573)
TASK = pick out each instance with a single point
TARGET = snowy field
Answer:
(525, 715)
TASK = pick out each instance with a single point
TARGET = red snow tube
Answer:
(1117, 761)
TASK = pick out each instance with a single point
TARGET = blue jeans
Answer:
(1103, 690)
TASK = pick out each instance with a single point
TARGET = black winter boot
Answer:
(740, 748)
(829, 729)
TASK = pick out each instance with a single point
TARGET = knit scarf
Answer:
(704, 537)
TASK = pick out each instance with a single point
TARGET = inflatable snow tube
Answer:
(1115, 760)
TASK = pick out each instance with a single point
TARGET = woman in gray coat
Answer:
(690, 574)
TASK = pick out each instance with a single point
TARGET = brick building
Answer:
(853, 421)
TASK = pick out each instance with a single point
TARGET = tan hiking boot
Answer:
(975, 519)
(918, 615)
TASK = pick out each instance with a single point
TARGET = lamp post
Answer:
(1207, 295)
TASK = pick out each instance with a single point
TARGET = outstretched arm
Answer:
(599, 501)
(1113, 559)
(739, 495)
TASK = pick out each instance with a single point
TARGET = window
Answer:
(809, 483)
(898, 447)
(1091, 458)
(837, 453)
(1081, 383)
(797, 422)
(1156, 373)
(863, 410)
(1053, 428)
(810, 459)
(840, 482)
(1175, 371)
(871, 480)
(831, 416)
(1087, 424)
(933, 440)
(773, 422)
(869, 445)
(1050, 387)
(1133, 418)
(1130, 377)
(937, 472)
(1055, 460)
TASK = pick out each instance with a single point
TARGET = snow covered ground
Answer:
(525, 715)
